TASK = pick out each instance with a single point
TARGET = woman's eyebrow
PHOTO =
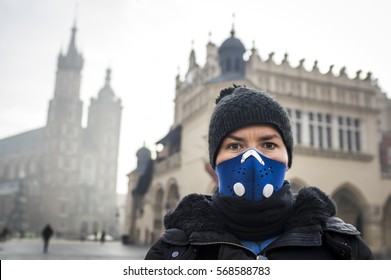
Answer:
(270, 137)
(236, 138)
(262, 138)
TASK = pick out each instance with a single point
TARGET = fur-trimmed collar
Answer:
(194, 212)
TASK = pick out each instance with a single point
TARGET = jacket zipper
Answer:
(226, 243)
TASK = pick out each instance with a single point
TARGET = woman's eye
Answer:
(234, 147)
(269, 146)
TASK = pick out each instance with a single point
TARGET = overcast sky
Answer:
(144, 42)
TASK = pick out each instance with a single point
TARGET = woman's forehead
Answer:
(257, 128)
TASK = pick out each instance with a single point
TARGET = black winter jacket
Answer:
(312, 232)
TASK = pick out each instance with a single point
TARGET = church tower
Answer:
(103, 131)
(62, 140)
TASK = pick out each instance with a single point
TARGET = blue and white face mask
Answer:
(250, 175)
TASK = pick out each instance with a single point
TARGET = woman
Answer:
(254, 214)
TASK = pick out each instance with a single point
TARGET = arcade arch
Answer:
(172, 195)
(350, 205)
(158, 210)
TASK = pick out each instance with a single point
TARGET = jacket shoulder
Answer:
(345, 240)
(175, 236)
(172, 245)
(335, 224)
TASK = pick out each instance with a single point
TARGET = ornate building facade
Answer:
(64, 174)
(339, 124)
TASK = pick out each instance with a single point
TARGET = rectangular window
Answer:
(328, 118)
(298, 126)
(320, 132)
(311, 129)
(357, 126)
(320, 117)
(341, 142)
(312, 137)
(328, 131)
(295, 118)
(358, 140)
(349, 134)
(328, 137)
(298, 133)
(349, 137)
(320, 136)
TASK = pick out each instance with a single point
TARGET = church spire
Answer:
(72, 44)
(192, 58)
(73, 60)
(108, 76)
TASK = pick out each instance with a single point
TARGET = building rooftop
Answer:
(23, 143)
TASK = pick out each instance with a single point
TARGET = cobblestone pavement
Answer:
(32, 249)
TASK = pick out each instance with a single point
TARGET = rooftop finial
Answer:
(358, 74)
(108, 75)
(342, 72)
(369, 76)
(301, 63)
(233, 25)
(315, 67)
(285, 59)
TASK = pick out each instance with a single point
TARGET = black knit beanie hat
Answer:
(239, 106)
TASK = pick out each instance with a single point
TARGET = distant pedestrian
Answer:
(103, 237)
(4, 234)
(83, 236)
(47, 233)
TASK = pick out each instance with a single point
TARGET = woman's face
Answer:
(264, 138)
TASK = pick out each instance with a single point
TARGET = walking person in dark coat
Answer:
(103, 237)
(253, 214)
(4, 234)
(47, 233)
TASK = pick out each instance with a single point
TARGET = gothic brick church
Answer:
(64, 174)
